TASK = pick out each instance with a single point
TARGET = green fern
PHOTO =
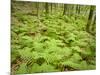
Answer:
(43, 68)
(22, 69)
(50, 43)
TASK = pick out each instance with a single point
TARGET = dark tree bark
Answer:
(90, 19)
(47, 8)
(78, 9)
(65, 9)
(77, 12)
(94, 23)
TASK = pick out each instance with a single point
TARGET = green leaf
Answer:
(22, 69)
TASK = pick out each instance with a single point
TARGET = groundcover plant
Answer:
(52, 37)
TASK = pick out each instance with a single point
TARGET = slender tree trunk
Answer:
(37, 6)
(47, 8)
(94, 23)
(78, 9)
(51, 7)
(65, 8)
(89, 19)
(55, 6)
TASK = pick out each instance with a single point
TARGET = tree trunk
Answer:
(94, 23)
(65, 8)
(78, 9)
(37, 6)
(89, 19)
(47, 8)
(51, 7)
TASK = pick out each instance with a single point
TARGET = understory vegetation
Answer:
(51, 42)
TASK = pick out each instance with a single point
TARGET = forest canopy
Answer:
(52, 37)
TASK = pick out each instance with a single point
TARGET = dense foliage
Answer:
(50, 43)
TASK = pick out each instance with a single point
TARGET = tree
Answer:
(65, 7)
(78, 9)
(51, 7)
(94, 23)
(90, 19)
(37, 6)
(47, 8)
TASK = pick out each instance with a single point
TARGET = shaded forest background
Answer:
(52, 37)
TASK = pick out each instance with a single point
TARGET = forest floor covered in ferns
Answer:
(50, 43)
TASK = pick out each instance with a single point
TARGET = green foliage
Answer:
(51, 43)
(43, 68)
(22, 69)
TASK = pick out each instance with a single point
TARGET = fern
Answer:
(26, 53)
(75, 57)
(43, 68)
(22, 69)
(50, 43)
(78, 66)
